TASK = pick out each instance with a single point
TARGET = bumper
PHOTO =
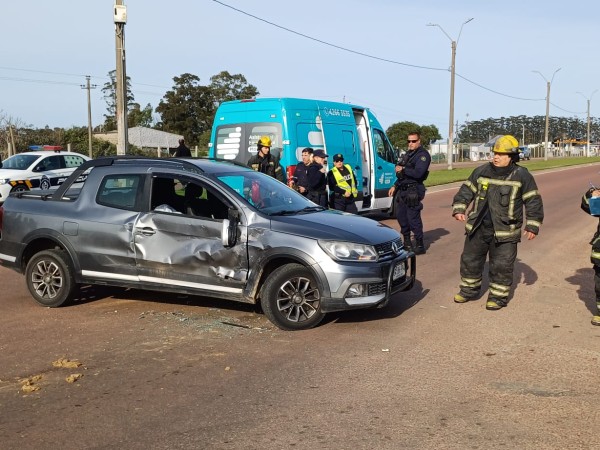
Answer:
(378, 290)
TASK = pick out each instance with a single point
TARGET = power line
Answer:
(379, 58)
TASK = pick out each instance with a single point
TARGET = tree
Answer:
(137, 117)
(189, 108)
(110, 96)
(226, 87)
(398, 133)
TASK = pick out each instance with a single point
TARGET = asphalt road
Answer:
(169, 372)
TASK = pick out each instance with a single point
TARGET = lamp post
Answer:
(523, 136)
(548, 84)
(452, 77)
(589, 99)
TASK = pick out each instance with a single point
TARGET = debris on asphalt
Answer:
(73, 377)
(66, 363)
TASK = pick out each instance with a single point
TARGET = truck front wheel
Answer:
(50, 278)
(291, 299)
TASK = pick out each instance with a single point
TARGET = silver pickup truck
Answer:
(201, 227)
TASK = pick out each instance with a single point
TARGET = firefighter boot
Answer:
(420, 247)
(596, 320)
(407, 243)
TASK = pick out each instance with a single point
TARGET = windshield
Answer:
(267, 194)
(19, 162)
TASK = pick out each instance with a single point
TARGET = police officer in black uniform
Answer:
(317, 179)
(411, 171)
(300, 179)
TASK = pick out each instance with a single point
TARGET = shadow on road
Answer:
(584, 280)
(431, 236)
(399, 303)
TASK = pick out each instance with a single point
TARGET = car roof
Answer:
(49, 153)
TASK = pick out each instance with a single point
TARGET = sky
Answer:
(378, 53)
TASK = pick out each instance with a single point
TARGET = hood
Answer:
(335, 225)
(13, 174)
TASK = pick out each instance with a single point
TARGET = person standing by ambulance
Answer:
(498, 191)
(317, 179)
(412, 170)
(300, 179)
(264, 161)
(342, 185)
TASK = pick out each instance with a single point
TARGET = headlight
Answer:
(347, 251)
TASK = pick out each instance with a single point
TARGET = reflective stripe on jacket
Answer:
(503, 198)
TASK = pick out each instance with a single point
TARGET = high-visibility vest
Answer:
(341, 181)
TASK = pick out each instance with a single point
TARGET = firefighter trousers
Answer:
(502, 256)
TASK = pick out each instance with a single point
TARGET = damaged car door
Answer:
(179, 242)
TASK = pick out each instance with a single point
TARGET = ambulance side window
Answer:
(383, 147)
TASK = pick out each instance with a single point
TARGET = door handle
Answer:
(146, 231)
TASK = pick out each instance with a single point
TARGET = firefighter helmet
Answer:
(506, 144)
(264, 141)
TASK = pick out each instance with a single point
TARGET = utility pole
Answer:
(548, 84)
(120, 19)
(89, 86)
(589, 99)
(13, 149)
(452, 77)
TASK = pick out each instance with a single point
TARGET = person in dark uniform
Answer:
(317, 179)
(264, 161)
(300, 180)
(594, 192)
(498, 191)
(342, 185)
(182, 151)
(408, 190)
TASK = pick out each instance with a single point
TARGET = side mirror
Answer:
(229, 230)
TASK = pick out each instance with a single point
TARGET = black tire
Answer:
(19, 188)
(291, 299)
(50, 278)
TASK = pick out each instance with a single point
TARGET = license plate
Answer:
(399, 271)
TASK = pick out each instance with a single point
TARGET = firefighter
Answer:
(497, 192)
(264, 161)
(594, 192)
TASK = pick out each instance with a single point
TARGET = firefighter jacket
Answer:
(268, 164)
(498, 195)
(595, 242)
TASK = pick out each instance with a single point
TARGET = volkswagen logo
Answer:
(395, 248)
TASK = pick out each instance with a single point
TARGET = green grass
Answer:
(442, 176)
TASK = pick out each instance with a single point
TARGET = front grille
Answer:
(385, 249)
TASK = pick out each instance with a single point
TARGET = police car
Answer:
(44, 169)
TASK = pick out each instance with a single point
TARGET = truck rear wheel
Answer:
(50, 278)
(291, 299)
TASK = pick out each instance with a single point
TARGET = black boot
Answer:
(420, 247)
(407, 243)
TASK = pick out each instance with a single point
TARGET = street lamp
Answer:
(548, 84)
(452, 76)
(587, 147)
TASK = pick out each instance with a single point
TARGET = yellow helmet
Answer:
(506, 144)
(264, 141)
